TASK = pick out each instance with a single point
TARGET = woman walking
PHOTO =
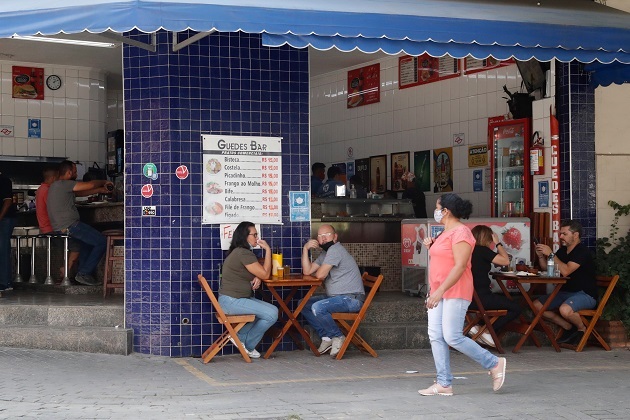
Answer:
(451, 284)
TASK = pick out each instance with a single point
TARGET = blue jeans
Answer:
(318, 310)
(6, 271)
(93, 245)
(266, 315)
(446, 329)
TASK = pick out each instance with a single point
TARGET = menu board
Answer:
(242, 179)
(28, 82)
(414, 71)
(364, 86)
(473, 65)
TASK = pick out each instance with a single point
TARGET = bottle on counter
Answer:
(550, 265)
(353, 191)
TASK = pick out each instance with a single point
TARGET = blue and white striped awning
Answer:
(565, 30)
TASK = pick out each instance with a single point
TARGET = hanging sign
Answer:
(473, 65)
(414, 71)
(364, 86)
(242, 179)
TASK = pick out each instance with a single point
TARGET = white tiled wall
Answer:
(413, 119)
(115, 109)
(73, 118)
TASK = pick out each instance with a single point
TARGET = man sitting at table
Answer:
(580, 291)
(343, 284)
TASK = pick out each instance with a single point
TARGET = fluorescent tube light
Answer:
(66, 41)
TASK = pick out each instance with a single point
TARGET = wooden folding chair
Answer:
(591, 316)
(349, 322)
(232, 324)
(488, 316)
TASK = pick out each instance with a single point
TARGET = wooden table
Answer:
(557, 282)
(294, 282)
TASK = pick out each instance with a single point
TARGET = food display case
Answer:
(513, 232)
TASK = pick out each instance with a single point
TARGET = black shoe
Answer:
(86, 279)
(567, 334)
(575, 338)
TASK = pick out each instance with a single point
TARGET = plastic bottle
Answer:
(276, 261)
(550, 265)
(353, 191)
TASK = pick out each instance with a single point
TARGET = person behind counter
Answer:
(64, 218)
(327, 190)
(412, 192)
(241, 275)
(318, 170)
(7, 223)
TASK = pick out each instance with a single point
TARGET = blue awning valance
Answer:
(549, 29)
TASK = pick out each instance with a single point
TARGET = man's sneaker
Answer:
(325, 346)
(337, 342)
(567, 335)
(484, 338)
(86, 279)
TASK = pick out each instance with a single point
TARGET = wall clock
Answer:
(53, 82)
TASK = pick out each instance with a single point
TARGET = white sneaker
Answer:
(325, 346)
(337, 342)
(251, 353)
(484, 338)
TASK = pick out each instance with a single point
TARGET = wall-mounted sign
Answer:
(364, 86)
(543, 193)
(28, 82)
(149, 211)
(34, 128)
(150, 171)
(147, 191)
(300, 205)
(443, 170)
(477, 155)
(227, 230)
(181, 172)
(362, 170)
(242, 179)
(478, 180)
(459, 139)
(6, 131)
(474, 65)
(414, 71)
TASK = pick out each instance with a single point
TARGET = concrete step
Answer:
(62, 316)
(109, 340)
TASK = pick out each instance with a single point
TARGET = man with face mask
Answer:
(343, 283)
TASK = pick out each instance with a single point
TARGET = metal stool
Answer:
(18, 238)
(66, 280)
(33, 278)
(48, 236)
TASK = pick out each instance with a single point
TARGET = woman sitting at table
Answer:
(482, 258)
(241, 276)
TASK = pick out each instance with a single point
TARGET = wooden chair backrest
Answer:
(215, 303)
(373, 283)
(607, 283)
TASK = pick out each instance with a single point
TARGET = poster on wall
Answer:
(400, 165)
(242, 179)
(414, 71)
(422, 169)
(28, 82)
(543, 193)
(443, 170)
(226, 232)
(378, 174)
(474, 65)
(364, 86)
(478, 180)
(362, 170)
(478, 155)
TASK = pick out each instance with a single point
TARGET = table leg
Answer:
(522, 321)
(538, 318)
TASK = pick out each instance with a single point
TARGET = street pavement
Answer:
(540, 384)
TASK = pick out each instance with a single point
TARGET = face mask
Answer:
(327, 245)
(438, 215)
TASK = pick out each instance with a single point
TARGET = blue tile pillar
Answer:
(575, 105)
(225, 83)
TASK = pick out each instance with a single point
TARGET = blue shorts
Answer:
(576, 300)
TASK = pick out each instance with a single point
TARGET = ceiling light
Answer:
(66, 41)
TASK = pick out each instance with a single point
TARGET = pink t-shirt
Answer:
(41, 208)
(442, 262)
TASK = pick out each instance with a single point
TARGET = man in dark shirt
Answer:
(580, 291)
(7, 222)
(317, 178)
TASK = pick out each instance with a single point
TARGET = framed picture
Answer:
(400, 165)
(378, 174)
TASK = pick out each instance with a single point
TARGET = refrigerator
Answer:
(509, 143)
(513, 232)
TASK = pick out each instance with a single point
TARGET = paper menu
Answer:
(242, 179)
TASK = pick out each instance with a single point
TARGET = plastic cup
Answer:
(280, 272)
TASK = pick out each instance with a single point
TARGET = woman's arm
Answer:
(502, 258)
(461, 254)
(262, 271)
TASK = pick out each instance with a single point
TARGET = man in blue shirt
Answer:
(334, 179)
(317, 178)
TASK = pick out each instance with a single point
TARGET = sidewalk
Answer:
(540, 384)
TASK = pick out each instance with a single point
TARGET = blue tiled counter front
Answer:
(225, 84)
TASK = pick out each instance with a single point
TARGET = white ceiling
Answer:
(110, 59)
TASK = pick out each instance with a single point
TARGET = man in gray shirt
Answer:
(64, 218)
(344, 287)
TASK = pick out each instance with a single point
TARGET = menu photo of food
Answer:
(213, 208)
(28, 82)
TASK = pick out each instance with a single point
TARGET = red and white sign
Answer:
(147, 191)
(181, 172)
